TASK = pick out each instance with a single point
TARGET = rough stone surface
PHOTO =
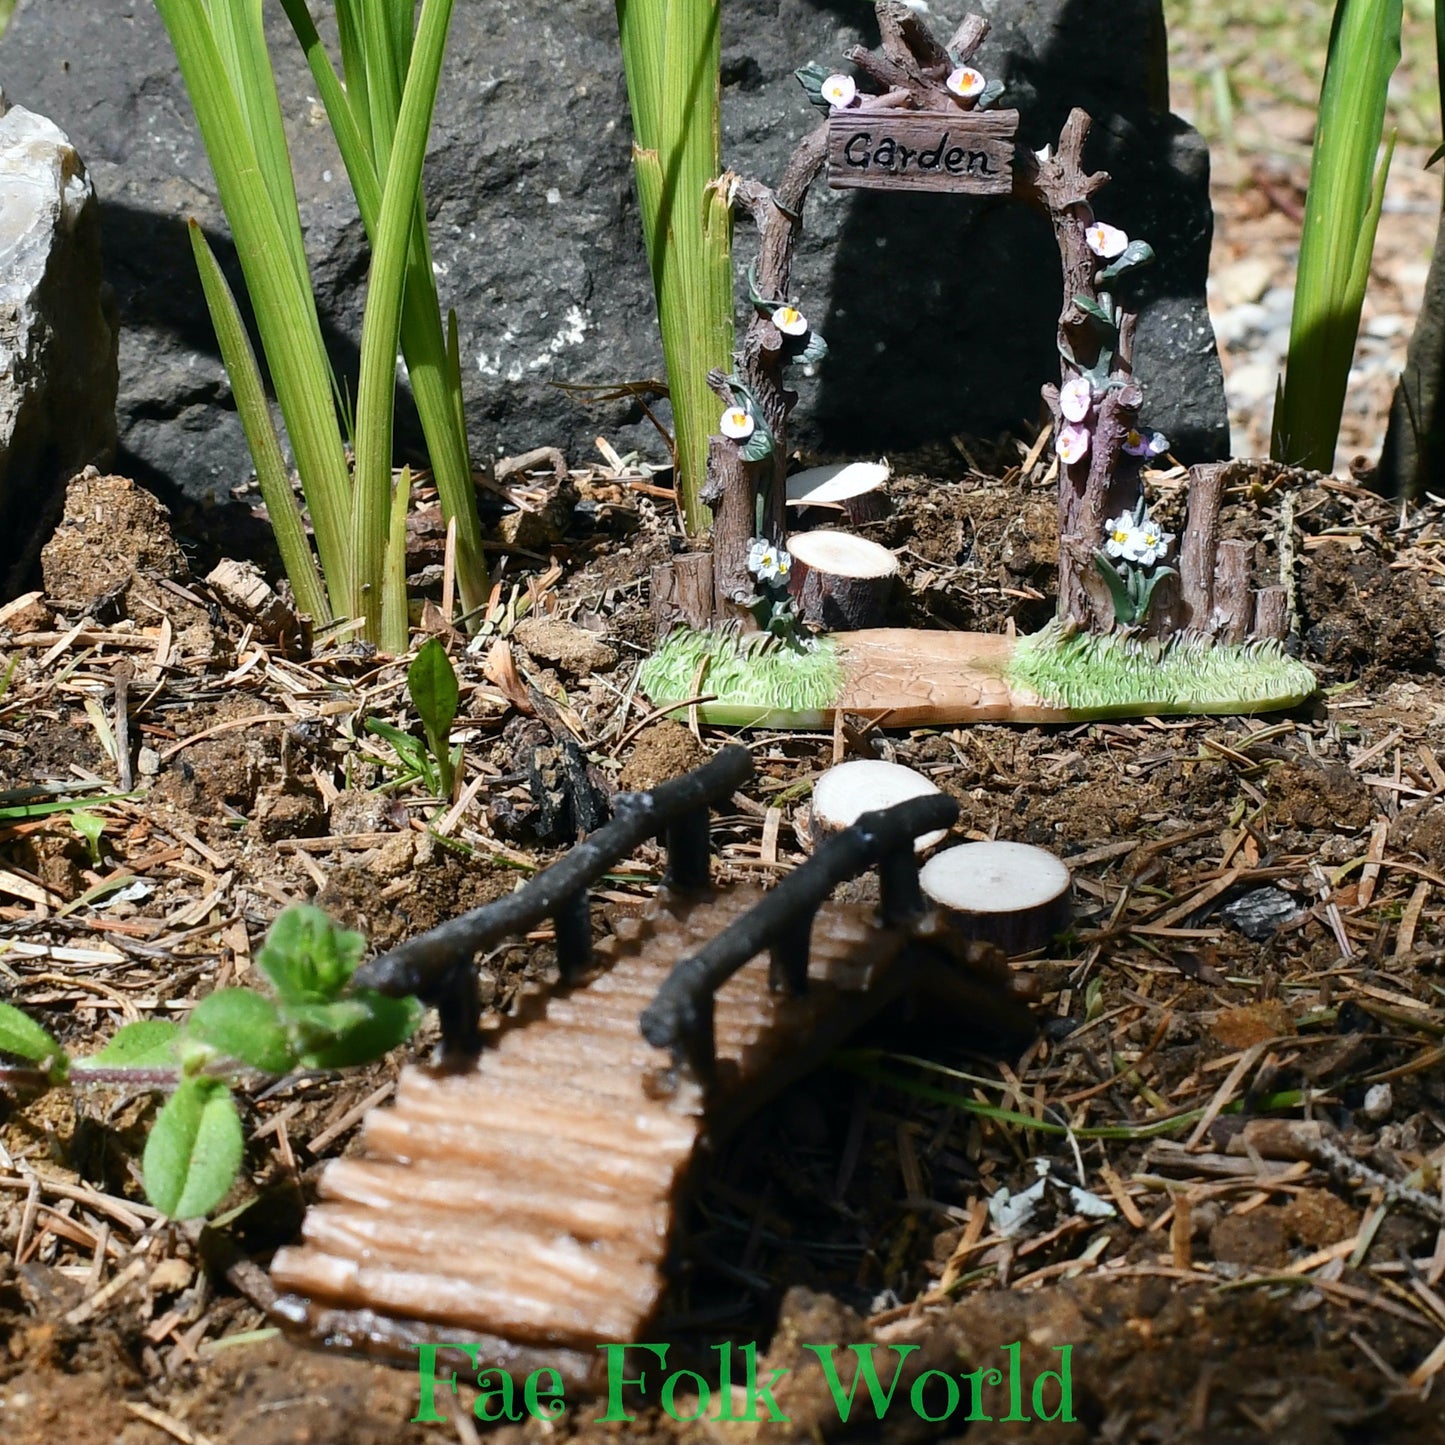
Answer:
(940, 309)
(57, 335)
(1415, 441)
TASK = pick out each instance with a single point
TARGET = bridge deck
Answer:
(526, 1203)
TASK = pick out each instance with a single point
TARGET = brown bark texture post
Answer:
(1198, 546)
(733, 484)
(1233, 600)
(682, 592)
(1271, 613)
(1105, 481)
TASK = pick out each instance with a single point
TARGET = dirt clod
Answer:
(1319, 797)
(571, 648)
(1259, 1240)
(110, 557)
(661, 752)
(1242, 1028)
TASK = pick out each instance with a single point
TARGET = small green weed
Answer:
(315, 1020)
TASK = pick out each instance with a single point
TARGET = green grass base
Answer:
(758, 680)
(1122, 676)
(761, 681)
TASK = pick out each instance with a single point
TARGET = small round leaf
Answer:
(194, 1151)
(386, 1023)
(22, 1036)
(307, 957)
(146, 1044)
(245, 1026)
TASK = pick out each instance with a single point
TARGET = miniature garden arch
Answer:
(1141, 628)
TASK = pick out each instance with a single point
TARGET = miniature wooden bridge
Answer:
(522, 1194)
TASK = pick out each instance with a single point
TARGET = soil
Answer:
(1239, 1292)
(1258, 1300)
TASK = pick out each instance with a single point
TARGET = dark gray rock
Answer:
(940, 310)
(1413, 458)
(1261, 912)
(57, 335)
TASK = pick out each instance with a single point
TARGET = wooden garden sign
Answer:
(916, 150)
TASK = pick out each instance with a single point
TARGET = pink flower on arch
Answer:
(1073, 443)
(1076, 396)
(1106, 241)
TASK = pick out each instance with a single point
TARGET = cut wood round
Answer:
(853, 488)
(1009, 894)
(843, 581)
(844, 793)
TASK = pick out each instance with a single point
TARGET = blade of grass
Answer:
(383, 80)
(271, 474)
(353, 66)
(671, 51)
(435, 377)
(860, 1062)
(1365, 242)
(381, 324)
(241, 40)
(454, 368)
(1440, 61)
(1363, 53)
(348, 120)
(23, 812)
(700, 316)
(285, 311)
(641, 25)
(393, 591)
(401, 13)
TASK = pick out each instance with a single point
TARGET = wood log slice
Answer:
(854, 490)
(845, 792)
(1009, 894)
(842, 581)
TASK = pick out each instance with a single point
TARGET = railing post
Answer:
(699, 1040)
(459, 1006)
(900, 893)
(689, 842)
(573, 922)
(788, 956)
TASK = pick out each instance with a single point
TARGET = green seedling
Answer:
(431, 682)
(315, 1020)
(412, 760)
(91, 827)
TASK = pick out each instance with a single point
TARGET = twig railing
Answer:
(438, 966)
(680, 1018)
